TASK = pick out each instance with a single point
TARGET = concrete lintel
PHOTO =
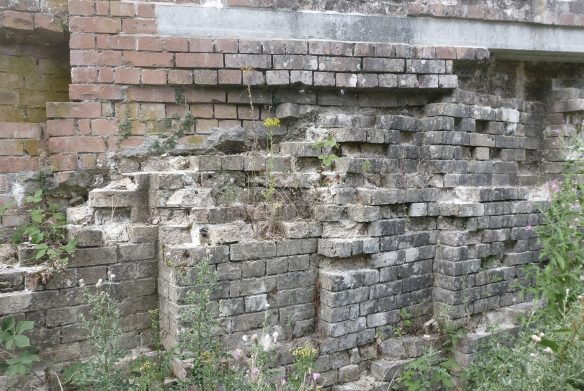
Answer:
(546, 42)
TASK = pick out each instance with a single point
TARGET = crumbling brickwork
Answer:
(425, 210)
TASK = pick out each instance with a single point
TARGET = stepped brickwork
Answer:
(438, 160)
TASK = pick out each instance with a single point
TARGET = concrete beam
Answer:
(544, 42)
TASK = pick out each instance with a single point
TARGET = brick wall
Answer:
(427, 210)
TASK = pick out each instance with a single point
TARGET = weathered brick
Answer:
(199, 60)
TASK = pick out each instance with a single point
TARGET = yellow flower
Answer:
(306, 351)
(272, 122)
(207, 357)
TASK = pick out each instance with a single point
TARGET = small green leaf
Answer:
(21, 341)
(8, 323)
(24, 326)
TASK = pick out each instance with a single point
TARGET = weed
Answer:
(15, 346)
(46, 233)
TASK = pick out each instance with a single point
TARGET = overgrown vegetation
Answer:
(18, 355)
(205, 364)
(547, 354)
(46, 233)
(178, 127)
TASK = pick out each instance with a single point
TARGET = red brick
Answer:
(60, 127)
(73, 110)
(225, 111)
(18, 164)
(81, 24)
(87, 160)
(205, 95)
(149, 44)
(10, 147)
(201, 45)
(199, 60)
(105, 75)
(446, 53)
(122, 42)
(206, 125)
(127, 75)
(174, 110)
(48, 23)
(154, 76)
(64, 162)
(176, 44)
(139, 26)
(151, 94)
(103, 41)
(244, 112)
(17, 20)
(95, 57)
(102, 8)
(83, 75)
(226, 45)
(148, 59)
(176, 76)
(465, 53)
(202, 110)
(84, 126)
(205, 76)
(95, 92)
(81, 7)
(145, 10)
(229, 76)
(76, 144)
(104, 127)
(229, 124)
(122, 9)
(20, 130)
(82, 41)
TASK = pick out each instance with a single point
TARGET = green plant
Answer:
(199, 345)
(561, 235)
(15, 347)
(547, 355)
(167, 141)
(428, 372)
(366, 166)
(303, 377)
(327, 159)
(125, 126)
(148, 373)
(101, 371)
(47, 233)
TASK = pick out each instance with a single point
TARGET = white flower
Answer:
(535, 338)
(244, 338)
(542, 335)
(426, 336)
(266, 343)
(81, 283)
(208, 251)
(548, 350)
(99, 283)
(275, 336)
(533, 354)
